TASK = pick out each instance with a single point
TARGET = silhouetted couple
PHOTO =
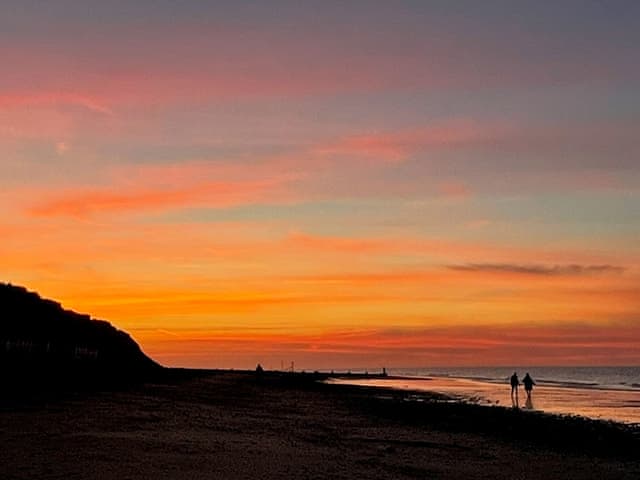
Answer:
(528, 383)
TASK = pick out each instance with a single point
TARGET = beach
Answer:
(235, 425)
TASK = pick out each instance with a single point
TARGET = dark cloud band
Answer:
(533, 269)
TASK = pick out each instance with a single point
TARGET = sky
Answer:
(335, 184)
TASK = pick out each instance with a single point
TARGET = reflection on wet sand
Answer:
(619, 405)
(528, 405)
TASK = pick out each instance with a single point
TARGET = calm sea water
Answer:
(608, 393)
(614, 378)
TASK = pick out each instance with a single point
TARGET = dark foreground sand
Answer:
(229, 425)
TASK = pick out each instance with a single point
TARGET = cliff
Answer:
(42, 342)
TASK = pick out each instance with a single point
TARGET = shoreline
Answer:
(616, 405)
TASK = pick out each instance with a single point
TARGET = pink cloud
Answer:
(303, 173)
(83, 202)
(395, 146)
(454, 190)
(54, 99)
(438, 248)
(195, 61)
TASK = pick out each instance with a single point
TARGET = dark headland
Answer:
(206, 424)
(45, 347)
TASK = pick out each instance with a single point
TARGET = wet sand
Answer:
(607, 404)
(230, 425)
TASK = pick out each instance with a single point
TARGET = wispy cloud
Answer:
(48, 99)
(532, 269)
(395, 146)
(83, 202)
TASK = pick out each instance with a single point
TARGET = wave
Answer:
(569, 383)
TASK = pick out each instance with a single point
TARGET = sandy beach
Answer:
(230, 425)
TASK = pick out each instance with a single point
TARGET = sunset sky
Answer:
(338, 184)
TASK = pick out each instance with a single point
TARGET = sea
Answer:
(606, 393)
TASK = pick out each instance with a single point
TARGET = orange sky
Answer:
(342, 187)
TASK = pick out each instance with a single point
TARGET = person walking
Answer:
(514, 389)
(528, 383)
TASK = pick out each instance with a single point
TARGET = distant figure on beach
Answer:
(528, 383)
(259, 371)
(514, 389)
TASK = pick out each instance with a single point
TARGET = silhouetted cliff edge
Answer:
(41, 344)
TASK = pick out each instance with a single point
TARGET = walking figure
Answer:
(514, 389)
(528, 383)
